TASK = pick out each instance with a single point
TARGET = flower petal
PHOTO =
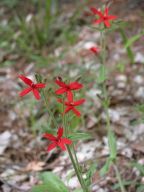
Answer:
(60, 83)
(75, 85)
(96, 12)
(59, 132)
(62, 146)
(112, 17)
(61, 91)
(51, 146)
(98, 21)
(69, 96)
(25, 80)
(40, 85)
(107, 23)
(77, 113)
(49, 136)
(79, 102)
(68, 109)
(66, 141)
(36, 94)
(106, 11)
(25, 91)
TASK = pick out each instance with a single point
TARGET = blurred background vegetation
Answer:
(33, 28)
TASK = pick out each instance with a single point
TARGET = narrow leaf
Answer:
(102, 74)
(131, 40)
(40, 188)
(112, 145)
(51, 183)
(79, 136)
(106, 167)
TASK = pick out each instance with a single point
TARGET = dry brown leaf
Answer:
(35, 166)
(139, 146)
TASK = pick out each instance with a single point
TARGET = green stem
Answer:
(44, 95)
(77, 170)
(49, 111)
(119, 178)
(75, 156)
(106, 106)
(103, 46)
(64, 120)
(106, 99)
(74, 159)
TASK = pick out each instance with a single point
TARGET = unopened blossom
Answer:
(103, 17)
(57, 141)
(32, 87)
(67, 88)
(71, 106)
(95, 50)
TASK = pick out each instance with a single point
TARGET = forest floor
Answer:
(22, 151)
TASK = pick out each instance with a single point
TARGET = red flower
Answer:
(31, 87)
(70, 106)
(67, 88)
(57, 141)
(103, 17)
(95, 50)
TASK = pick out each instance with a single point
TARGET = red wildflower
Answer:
(70, 106)
(95, 50)
(31, 87)
(67, 88)
(103, 17)
(57, 140)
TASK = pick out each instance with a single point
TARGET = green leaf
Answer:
(125, 183)
(112, 145)
(78, 190)
(139, 108)
(79, 136)
(121, 67)
(139, 167)
(90, 173)
(128, 49)
(40, 188)
(102, 74)
(105, 168)
(51, 182)
(74, 121)
(131, 40)
(140, 188)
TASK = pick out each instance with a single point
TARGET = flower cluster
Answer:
(103, 17)
(69, 103)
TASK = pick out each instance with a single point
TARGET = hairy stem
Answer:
(106, 106)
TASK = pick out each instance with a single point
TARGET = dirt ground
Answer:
(22, 151)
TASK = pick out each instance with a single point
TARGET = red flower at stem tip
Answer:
(57, 141)
(95, 50)
(70, 106)
(31, 87)
(67, 88)
(103, 17)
